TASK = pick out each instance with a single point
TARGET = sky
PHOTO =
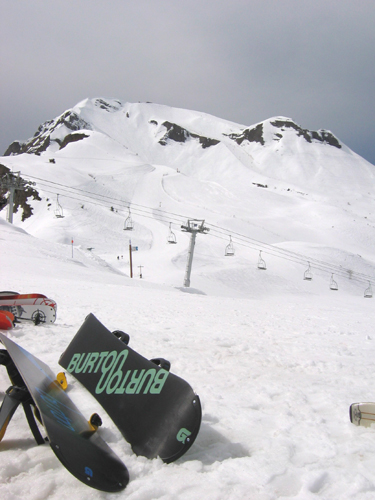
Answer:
(240, 60)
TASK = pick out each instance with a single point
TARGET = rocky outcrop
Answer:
(180, 134)
(111, 107)
(76, 136)
(254, 134)
(42, 137)
(323, 136)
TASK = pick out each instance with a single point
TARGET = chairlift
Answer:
(368, 291)
(308, 274)
(171, 237)
(261, 262)
(59, 214)
(229, 249)
(129, 224)
(333, 284)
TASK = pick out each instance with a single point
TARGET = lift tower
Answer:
(12, 183)
(193, 226)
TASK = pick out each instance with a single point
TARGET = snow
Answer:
(276, 360)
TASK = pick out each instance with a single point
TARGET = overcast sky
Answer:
(242, 60)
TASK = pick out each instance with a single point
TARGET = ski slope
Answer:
(275, 359)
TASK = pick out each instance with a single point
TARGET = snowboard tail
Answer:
(73, 439)
(157, 412)
(362, 414)
(36, 313)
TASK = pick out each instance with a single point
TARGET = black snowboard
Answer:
(73, 439)
(157, 412)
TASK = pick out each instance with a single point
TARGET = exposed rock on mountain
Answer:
(321, 135)
(43, 137)
(180, 134)
(250, 135)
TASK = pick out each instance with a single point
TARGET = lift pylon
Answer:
(193, 227)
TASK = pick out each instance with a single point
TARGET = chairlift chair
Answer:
(308, 274)
(333, 284)
(129, 224)
(229, 249)
(59, 214)
(368, 291)
(171, 237)
(261, 262)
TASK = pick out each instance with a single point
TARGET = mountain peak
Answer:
(275, 129)
(284, 125)
(167, 125)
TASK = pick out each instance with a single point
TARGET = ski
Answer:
(74, 440)
(362, 414)
(157, 412)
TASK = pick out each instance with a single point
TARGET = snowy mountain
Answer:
(272, 186)
(275, 359)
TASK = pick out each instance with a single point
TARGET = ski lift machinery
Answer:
(333, 284)
(129, 224)
(229, 249)
(171, 237)
(308, 274)
(368, 291)
(59, 213)
(261, 262)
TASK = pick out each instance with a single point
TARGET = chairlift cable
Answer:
(243, 240)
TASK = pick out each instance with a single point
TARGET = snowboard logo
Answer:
(113, 377)
(182, 435)
(55, 408)
(89, 472)
(357, 415)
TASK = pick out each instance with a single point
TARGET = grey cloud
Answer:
(242, 61)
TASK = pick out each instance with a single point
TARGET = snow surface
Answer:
(275, 359)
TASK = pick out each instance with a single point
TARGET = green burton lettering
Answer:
(73, 362)
(113, 379)
(117, 375)
(159, 381)
(106, 367)
(91, 362)
(102, 355)
(134, 382)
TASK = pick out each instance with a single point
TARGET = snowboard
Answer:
(20, 296)
(362, 414)
(20, 300)
(73, 439)
(37, 310)
(157, 412)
